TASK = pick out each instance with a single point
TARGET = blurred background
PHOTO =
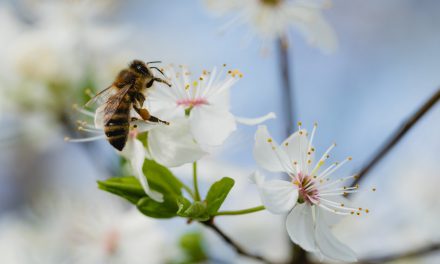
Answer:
(387, 64)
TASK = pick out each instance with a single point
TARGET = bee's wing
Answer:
(103, 95)
(114, 101)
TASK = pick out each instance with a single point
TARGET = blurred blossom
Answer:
(271, 19)
(52, 57)
(309, 195)
(83, 229)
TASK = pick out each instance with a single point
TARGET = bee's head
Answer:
(140, 67)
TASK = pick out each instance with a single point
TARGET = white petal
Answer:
(134, 151)
(144, 126)
(255, 121)
(328, 244)
(313, 26)
(300, 226)
(211, 125)
(296, 147)
(99, 117)
(277, 196)
(174, 145)
(264, 154)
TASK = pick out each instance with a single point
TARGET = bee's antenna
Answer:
(154, 62)
(158, 70)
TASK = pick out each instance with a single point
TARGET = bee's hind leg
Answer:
(146, 116)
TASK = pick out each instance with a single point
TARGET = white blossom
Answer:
(310, 197)
(204, 101)
(273, 18)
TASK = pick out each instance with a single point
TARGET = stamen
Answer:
(324, 157)
(89, 130)
(76, 140)
(83, 111)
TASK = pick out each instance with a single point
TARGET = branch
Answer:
(409, 254)
(398, 135)
(233, 244)
(288, 105)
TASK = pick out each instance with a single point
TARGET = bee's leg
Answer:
(146, 116)
(150, 83)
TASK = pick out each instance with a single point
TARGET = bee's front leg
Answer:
(155, 79)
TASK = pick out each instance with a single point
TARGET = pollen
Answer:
(350, 158)
(201, 78)
(195, 83)
(269, 140)
(286, 144)
(235, 73)
(187, 86)
(367, 211)
(224, 64)
(374, 189)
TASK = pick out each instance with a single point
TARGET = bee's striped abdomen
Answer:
(117, 128)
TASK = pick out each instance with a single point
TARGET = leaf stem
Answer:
(242, 212)
(188, 190)
(196, 185)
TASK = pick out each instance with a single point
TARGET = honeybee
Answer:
(127, 93)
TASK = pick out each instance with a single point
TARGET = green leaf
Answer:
(167, 209)
(217, 194)
(162, 179)
(192, 246)
(125, 187)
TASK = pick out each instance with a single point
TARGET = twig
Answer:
(408, 254)
(288, 105)
(398, 135)
(233, 244)
(298, 254)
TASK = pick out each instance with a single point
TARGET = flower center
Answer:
(270, 2)
(191, 102)
(306, 189)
